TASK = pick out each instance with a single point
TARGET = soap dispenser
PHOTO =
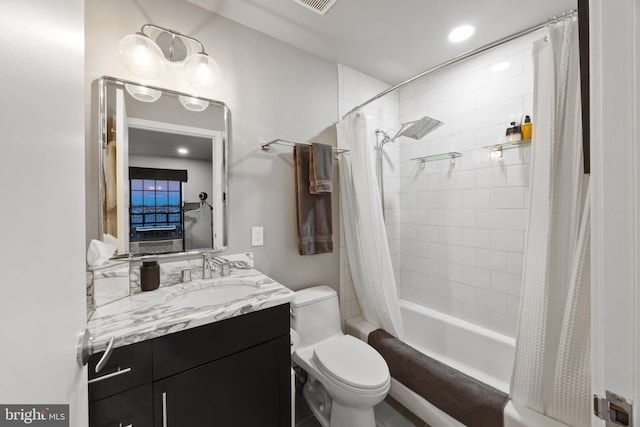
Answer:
(514, 133)
(149, 274)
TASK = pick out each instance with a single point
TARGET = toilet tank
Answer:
(315, 314)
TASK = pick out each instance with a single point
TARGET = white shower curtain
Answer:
(552, 363)
(364, 228)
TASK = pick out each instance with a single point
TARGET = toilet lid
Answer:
(350, 361)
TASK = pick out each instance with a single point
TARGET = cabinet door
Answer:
(131, 408)
(250, 388)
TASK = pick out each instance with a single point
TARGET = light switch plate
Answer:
(257, 236)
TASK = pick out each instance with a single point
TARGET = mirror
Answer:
(163, 169)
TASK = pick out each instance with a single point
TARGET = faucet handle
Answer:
(225, 265)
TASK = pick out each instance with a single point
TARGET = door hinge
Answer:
(614, 409)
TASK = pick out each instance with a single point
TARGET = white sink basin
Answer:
(221, 293)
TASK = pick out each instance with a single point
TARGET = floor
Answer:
(389, 413)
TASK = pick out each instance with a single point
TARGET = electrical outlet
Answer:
(257, 236)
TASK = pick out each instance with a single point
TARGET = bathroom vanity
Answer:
(182, 361)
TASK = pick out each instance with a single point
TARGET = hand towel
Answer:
(313, 210)
(321, 169)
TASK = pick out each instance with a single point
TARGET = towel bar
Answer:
(287, 143)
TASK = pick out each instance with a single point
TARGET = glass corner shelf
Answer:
(452, 155)
(505, 145)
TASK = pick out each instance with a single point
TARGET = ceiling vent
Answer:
(318, 6)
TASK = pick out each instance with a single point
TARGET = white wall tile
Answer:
(462, 255)
(506, 240)
(491, 300)
(515, 263)
(506, 282)
(507, 197)
(476, 238)
(462, 218)
(450, 235)
(491, 259)
(463, 293)
(476, 276)
(491, 218)
(492, 94)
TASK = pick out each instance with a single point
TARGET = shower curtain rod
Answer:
(462, 57)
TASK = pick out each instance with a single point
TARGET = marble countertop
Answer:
(147, 315)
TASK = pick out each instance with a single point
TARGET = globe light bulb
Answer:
(203, 72)
(141, 56)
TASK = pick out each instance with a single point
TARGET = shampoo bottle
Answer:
(526, 128)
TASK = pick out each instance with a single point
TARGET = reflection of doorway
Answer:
(198, 151)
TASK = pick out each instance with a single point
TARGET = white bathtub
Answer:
(476, 351)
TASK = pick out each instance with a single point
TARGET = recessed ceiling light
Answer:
(500, 66)
(183, 151)
(461, 33)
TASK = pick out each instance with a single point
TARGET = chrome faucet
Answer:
(225, 266)
(207, 266)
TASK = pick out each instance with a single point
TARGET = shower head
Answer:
(417, 129)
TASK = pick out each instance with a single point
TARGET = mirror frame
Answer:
(103, 135)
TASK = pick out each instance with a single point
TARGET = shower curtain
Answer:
(552, 362)
(364, 228)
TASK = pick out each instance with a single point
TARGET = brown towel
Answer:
(321, 169)
(473, 403)
(314, 210)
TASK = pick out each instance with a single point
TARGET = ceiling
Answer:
(146, 142)
(390, 40)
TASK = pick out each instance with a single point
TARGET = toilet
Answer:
(346, 376)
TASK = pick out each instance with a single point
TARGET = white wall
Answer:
(456, 232)
(42, 308)
(273, 91)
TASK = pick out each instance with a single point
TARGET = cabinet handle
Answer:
(164, 409)
(107, 354)
(111, 375)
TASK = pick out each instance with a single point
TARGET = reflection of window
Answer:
(155, 208)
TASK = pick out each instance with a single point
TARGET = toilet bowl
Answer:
(350, 372)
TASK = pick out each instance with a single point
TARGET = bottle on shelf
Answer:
(526, 128)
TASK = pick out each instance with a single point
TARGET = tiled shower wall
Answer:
(456, 230)
(463, 224)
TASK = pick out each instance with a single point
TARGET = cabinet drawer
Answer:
(131, 408)
(194, 347)
(135, 357)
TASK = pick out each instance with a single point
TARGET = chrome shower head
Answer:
(419, 128)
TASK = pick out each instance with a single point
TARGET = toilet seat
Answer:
(347, 361)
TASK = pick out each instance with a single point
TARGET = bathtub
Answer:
(476, 351)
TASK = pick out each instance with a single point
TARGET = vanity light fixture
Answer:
(461, 33)
(143, 93)
(193, 104)
(147, 58)
(183, 151)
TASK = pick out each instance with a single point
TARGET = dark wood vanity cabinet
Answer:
(235, 372)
